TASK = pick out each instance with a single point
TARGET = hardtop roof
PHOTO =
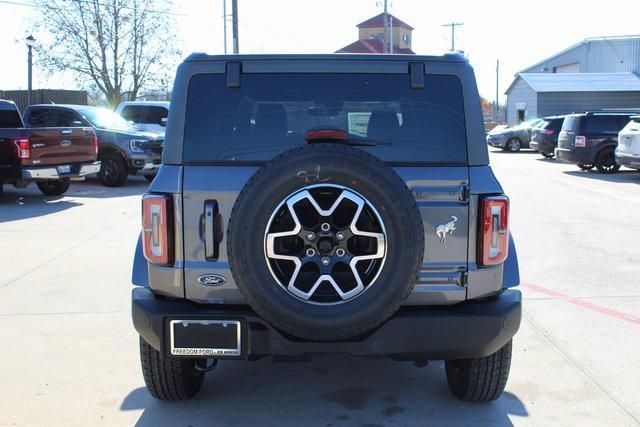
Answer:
(447, 57)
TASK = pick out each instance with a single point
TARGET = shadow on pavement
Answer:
(631, 176)
(522, 151)
(330, 391)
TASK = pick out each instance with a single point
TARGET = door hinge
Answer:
(464, 279)
(465, 193)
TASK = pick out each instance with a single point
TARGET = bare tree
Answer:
(121, 46)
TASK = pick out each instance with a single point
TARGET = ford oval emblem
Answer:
(65, 143)
(212, 279)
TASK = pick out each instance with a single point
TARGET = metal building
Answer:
(596, 73)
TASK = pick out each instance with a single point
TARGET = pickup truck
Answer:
(49, 156)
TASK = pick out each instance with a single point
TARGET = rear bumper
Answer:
(52, 172)
(573, 156)
(542, 146)
(628, 160)
(466, 330)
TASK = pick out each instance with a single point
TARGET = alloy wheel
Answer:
(325, 244)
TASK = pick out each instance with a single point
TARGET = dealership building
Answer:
(597, 73)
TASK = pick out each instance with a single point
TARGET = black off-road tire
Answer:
(54, 187)
(606, 161)
(333, 164)
(113, 170)
(480, 380)
(513, 145)
(547, 155)
(172, 378)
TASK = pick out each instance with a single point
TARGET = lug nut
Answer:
(311, 252)
(325, 226)
(311, 236)
(340, 252)
(340, 236)
(325, 261)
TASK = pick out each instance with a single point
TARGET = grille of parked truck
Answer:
(51, 155)
(325, 204)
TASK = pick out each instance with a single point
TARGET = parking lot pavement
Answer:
(70, 353)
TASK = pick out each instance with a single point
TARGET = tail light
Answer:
(24, 148)
(157, 228)
(95, 145)
(580, 141)
(548, 131)
(494, 238)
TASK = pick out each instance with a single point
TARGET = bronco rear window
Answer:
(270, 113)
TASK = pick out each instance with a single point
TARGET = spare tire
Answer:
(325, 242)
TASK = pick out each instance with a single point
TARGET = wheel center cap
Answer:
(325, 245)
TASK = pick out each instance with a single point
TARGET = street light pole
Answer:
(30, 42)
(234, 22)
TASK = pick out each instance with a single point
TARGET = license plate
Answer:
(64, 169)
(205, 337)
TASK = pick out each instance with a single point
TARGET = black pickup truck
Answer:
(48, 156)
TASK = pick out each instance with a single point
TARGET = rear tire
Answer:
(113, 170)
(513, 145)
(606, 161)
(480, 380)
(547, 155)
(171, 378)
(585, 166)
(54, 187)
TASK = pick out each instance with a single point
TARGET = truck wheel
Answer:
(606, 161)
(54, 187)
(547, 155)
(325, 242)
(171, 378)
(113, 170)
(513, 145)
(479, 380)
(585, 166)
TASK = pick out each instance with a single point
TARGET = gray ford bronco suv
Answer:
(325, 204)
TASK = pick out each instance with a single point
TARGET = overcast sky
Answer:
(517, 33)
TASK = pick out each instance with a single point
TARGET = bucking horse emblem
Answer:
(447, 228)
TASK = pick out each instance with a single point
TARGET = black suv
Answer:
(325, 204)
(590, 139)
(544, 137)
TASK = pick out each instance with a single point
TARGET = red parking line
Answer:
(582, 303)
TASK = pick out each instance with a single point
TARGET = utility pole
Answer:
(453, 26)
(234, 20)
(31, 41)
(497, 114)
(224, 21)
(385, 26)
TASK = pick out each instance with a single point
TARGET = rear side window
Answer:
(132, 113)
(52, 117)
(270, 113)
(10, 119)
(555, 124)
(602, 124)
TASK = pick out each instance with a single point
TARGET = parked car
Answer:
(628, 149)
(122, 151)
(590, 139)
(514, 138)
(544, 137)
(314, 204)
(50, 156)
(147, 116)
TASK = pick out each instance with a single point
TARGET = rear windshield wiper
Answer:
(339, 135)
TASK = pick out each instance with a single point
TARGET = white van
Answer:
(147, 116)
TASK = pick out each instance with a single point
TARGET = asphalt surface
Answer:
(69, 353)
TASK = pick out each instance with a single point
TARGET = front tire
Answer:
(113, 170)
(606, 161)
(482, 379)
(513, 145)
(171, 378)
(54, 187)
